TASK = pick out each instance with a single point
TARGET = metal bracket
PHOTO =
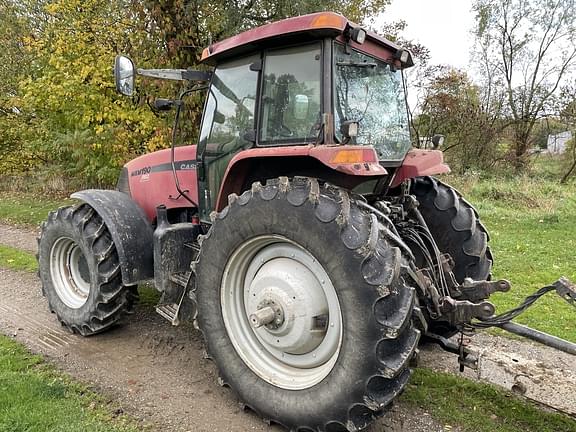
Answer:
(458, 312)
(479, 290)
(566, 289)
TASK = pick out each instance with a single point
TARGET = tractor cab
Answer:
(320, 91)
(307, 81)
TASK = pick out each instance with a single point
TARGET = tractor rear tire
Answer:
(456, 227)
(298, 247)
(80, 271)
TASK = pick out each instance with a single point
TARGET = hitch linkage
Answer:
(458, 311)
(479, 290)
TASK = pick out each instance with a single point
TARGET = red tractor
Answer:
(303, 235)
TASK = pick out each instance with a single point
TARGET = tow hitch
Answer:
(460, 310)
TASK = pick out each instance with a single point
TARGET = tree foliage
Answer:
(526, 49)
(57, 100)
(568, 120)
(452, 107)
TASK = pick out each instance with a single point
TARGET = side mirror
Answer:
(124, 73)
(301, 107)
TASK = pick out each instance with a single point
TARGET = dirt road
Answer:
(158, 374)
(155, 371)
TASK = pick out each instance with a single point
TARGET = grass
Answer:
(532, 223)
(16, 259)
(35, 397)
(27, 209)
(477, 407)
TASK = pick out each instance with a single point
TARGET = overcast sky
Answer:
(441, 25)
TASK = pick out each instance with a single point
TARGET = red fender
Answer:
(420, 163)
(352, 161)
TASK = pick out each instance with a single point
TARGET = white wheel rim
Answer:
(69, 272)
(300, 347)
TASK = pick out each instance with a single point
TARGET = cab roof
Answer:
(279, 33)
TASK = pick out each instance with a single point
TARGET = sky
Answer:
(443, 26)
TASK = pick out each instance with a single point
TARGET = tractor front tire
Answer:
(336, 336)
(80, 271)
(456, 227)
(457, 230)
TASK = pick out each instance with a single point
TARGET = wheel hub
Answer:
(70, 272)
(295, 295)
(281, 312)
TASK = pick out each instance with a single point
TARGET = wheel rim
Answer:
(70, 273)
(298, 343)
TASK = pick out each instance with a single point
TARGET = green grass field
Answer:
(477, 407)
(532, 223)
(36, 398)
(16, 259)
(27, 209)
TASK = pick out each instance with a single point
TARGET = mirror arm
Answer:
(175, 74)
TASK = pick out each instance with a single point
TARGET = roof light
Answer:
(328, 20)
(358, 35)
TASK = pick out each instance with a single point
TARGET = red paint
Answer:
(420, 163)
(152, 189)
(367, 164)
(382, 51)
(322, 23)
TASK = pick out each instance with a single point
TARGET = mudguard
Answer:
(420, 163)
(129, 228)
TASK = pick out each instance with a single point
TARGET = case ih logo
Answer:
(141, 171)
(187, 165)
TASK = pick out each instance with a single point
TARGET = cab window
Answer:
(290, 105)
(228, 120)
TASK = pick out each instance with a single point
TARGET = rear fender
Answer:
(346, 166)
(420, 163)
(129, 228)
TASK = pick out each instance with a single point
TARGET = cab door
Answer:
(228, 125)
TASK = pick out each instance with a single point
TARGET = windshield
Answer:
(369, 92)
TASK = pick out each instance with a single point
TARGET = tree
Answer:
(183, 28)
(568, 118)
(77, 122)
(452, 107)
(60, 101)
(528, 48)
